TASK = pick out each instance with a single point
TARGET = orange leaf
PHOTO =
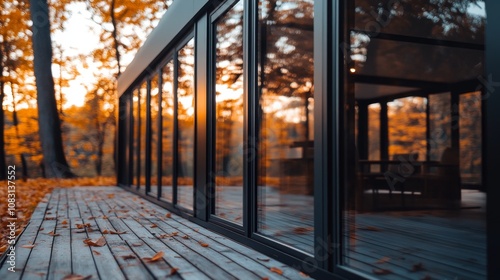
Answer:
(158, 256)
(185, 237)
(168, 215)
(153, 226)
(81, 226)
(129, 257)
(303, 274)
(28, 246)
(276, 270)
(173, 271)
(65, 222)
(302, 230)
(98, 243)
(111, 195)
(204, 244)
(51, 233)
(175, 233)
(96, 252)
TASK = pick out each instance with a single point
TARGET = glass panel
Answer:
(407, 127)
(142, 136)
(229, 115)
(155, 104)
(421, 213)
(374, 135)
(136, 135)
(470, 139)
(439, 124)
(286, 120)
(167, 139)
(185, 124)
(454, 20)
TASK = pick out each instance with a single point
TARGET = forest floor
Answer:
(27, 196)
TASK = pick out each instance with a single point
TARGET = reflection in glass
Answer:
(470, 138)
(167, 138)
(229, 115)
(414, 202)
(155, 104)
(142, 136)
(136, 138)
(285, 118)
(185, 126)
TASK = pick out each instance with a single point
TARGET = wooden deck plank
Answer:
(28, 237)
(105, 262)
(38, 263)
(60, 262)
(200, 262)
(82, 261)
(252, 259)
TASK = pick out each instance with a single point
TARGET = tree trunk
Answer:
(48, 117)
(115, 37)
(15, 121)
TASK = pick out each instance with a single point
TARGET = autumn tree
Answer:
(49, 123)
(15, 58)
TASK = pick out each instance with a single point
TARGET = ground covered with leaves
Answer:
(29, 193)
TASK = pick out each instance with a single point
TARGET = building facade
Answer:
(350, 139)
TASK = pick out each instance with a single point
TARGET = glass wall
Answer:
(167, 131)
(136, 138)
(185, 101)
(414, 208)
(155, 137)
(229, 102)
(285, 122)
(143, 112)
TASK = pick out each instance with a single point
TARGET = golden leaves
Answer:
(203, 244)
(129, 257)
(82, 226)
(302, 230)
(113, 232)
(168, 215)
(101, 241)
(158, 256)
(276, 270)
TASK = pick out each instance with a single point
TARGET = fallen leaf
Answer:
(173, 271)
(129, 257)
(302, 274)
(263, 259)
(28, 246)
(96, 252)
(111, 195)
(175, 233)
(51, 233)
(76, 277)
(153, 226)
(41, 228)
(137, 244)
(112, 232)
(82, 226)
(104, 217)
(382, 271)
(185, 237)
(383, 260)
(265, 278)
(302, 230)
(50, 218)
(417, 267)
(65, 222)
(156, 257)
(168, 215)
(276, 270)
(98, 243)
(203, 244)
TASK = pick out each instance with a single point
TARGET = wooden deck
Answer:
(67, 218)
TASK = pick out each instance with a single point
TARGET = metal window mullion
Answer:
(176, 131)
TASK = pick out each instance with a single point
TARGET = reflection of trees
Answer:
(285, 75)
(185, 110)
(445, 20)
(229, 95)
(167, 123)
